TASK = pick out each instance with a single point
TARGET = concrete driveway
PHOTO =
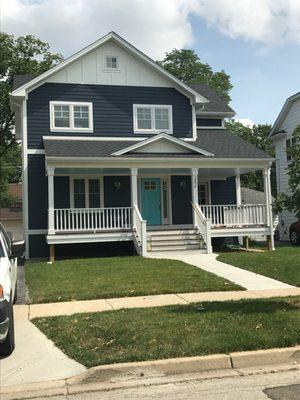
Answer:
(35, 358)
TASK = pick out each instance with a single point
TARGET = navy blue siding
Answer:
(114, 197)
(112, 108)
(61, 192)
(37, 192)
(223, 192)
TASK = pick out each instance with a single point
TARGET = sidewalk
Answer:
(89, 306)
(208, 262)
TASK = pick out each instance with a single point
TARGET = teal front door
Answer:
(151, 200)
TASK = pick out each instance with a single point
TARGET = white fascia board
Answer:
(96, 139)
(283, 113)
(21, 91)
(166, 137)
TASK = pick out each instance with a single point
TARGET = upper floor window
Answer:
(71, 116)
(111, 62)
(289, 143)
(209, 123)
(152, 118)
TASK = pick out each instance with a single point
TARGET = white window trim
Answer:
(53, 128)
(86, 183)
(152, 131)
(105, 68)
(210, 127)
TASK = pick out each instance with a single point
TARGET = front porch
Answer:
(171, 207)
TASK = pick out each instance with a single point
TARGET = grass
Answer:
(175, 331)
(97, 278)
(282, 264)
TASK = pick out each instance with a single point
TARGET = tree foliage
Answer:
(186, 66)
(22, 55)
(258, 135)
(291, 201)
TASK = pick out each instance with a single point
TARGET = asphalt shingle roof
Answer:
(221, 143)
(20, 80)
(216, 104)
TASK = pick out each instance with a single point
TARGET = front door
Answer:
(181, 200)
(151, 200)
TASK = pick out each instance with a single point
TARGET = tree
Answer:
(258, 135)
(291, 201)
(186, 66)
(22, 55)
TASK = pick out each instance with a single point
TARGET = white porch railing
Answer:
(139, 232)
(92, 219)
(232, 216)
(203, 224)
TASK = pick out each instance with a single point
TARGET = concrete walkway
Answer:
(90, 306)
(35, 358)
(208, 262)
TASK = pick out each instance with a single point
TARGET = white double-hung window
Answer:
(71, 116)
(152, 118)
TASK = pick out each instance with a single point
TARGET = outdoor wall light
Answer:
(117, 185)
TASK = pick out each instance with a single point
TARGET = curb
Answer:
(135, 374)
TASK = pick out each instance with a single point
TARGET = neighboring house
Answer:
(281, 134)
(11, 217)
(115, 149)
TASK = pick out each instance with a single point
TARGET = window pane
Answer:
(81, 116)
(111, 62)
(162, 118)
(61, 116)
(144, 118)
(94, 193)
(79, 193)
(165, 199)
(202, 194)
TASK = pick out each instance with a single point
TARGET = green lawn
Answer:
(282, 264)
(97, 278)
(175, 331)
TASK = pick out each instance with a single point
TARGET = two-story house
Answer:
(117, 151)
(281, 135)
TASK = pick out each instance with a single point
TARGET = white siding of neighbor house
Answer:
(90, 69)
(290, 122)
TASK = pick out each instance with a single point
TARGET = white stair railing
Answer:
(203, 224)
(92, 219)
(139, 232)
(232, 215)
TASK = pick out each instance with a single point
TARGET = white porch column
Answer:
(268, 197)
(194, 175)
(50, 173)
(238, 198)
(134, 187)
(195, 200)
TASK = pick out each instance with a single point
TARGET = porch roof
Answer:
(220, 142)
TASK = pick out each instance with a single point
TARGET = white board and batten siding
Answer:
(91, 69)
(290, 122)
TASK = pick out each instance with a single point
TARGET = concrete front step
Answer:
(158, 238)
(175, 247)
(174, 243)
(172, 232)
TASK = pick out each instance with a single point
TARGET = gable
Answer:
(90, 69)
(292, 118)
(162, 144)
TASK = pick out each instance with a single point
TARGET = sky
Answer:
(257, 42)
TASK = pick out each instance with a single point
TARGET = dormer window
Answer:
(71, 116)
(152, 119)
(111, 62)
(211, 123)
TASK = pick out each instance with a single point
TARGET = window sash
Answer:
(80, 116)
(86, 192)
(111, 62)
(152, 118)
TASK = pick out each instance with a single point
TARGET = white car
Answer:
(9, 253)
